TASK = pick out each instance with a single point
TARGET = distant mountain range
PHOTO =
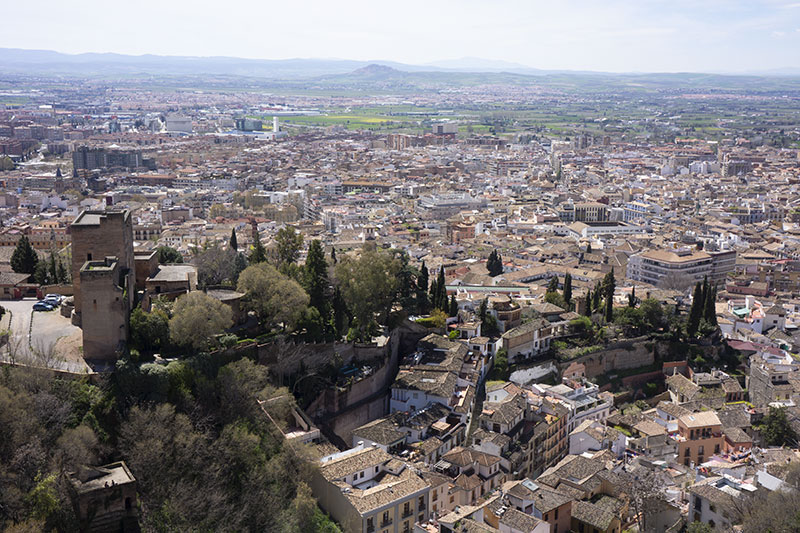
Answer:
(288, 72)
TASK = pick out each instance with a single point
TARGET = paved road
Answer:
(48, 327)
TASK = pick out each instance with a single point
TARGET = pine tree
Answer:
(696, 311)
(552, 286)
(233, 243)
(24, 258)
(259, 254)
(568, 289)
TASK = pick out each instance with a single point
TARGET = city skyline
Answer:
(619, 36)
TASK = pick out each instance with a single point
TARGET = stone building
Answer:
(105, 289)
(95, 236)
(104, 498)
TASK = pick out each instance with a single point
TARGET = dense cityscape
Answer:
(375, 300)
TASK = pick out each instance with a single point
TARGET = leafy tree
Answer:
(41, 274)
(219, 266)
(316, 277)
(276, 299)
(149, 332)
(555, 299)
(489, 327)
(289, 243)
(368, 285)
(24, 258)
(167, 254)
(494, 264)
(438, 318)
(653, 314)
(233, 244)
(197, 318)
(6, 163)
(776, 430)
(699, 527)
(62, 274)
(552, 285)
(500, 369)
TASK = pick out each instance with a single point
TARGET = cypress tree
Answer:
(596, 296)
(233, 242)
(610, 286)
(52, 269)
(632, 298)
(696, 311)
(441, 287)
(316, 277)
(62, 274)
(453, 311)
(333, 255)
(588, 308)
(568, 289)
(422, 279)
(709, 307)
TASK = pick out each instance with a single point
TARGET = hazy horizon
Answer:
(618, 36)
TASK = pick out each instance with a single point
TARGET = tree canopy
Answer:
(276, 299)
(167, 254)
(368, 285)
(24, 258)
(197, 318)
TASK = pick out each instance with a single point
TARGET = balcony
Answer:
(421, 507)
(407, 513)
(370, 528)
(386, 523)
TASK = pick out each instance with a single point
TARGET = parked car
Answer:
(55, 302)
(42, 306)
(57, 297)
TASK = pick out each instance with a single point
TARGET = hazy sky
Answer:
(609, 35)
